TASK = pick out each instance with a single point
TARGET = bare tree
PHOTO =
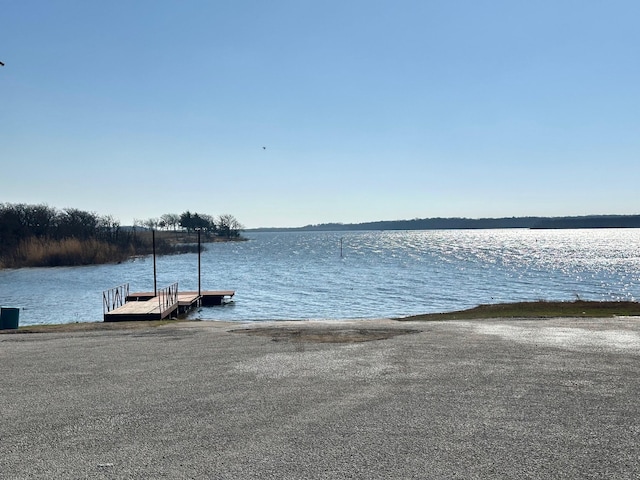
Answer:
(151, 223)
(108, 227)
(77, 223)
(171, 220)
(229, 226)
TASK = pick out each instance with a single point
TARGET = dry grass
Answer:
(38, 252)
(46, 252)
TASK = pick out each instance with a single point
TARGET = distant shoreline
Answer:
(533, 223)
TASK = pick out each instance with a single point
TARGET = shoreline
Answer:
(504, 311)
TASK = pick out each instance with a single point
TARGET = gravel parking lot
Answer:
(356, 399)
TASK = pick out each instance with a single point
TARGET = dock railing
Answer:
(114, 297)
(168, 297)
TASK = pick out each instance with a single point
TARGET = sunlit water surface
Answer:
(307, 275)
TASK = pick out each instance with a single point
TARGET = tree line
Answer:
(39, 235)
(21, 221)
(225, 225)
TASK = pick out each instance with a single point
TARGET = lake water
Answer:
(302, 275)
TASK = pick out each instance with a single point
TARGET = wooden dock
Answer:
(120, 305)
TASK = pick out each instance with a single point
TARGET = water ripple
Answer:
(303, 276)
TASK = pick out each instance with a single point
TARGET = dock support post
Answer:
(199, 254)
(155, 273)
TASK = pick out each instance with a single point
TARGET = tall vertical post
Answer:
(155, 272)
(199, 250)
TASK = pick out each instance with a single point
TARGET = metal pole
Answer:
(199, 276)
(155, 273)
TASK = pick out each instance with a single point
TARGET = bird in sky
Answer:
(1, 64)
(264, 148)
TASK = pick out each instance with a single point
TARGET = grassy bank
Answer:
(540, 309)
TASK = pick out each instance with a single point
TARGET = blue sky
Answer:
(369, 110)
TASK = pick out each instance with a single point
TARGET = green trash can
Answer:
(9, 318)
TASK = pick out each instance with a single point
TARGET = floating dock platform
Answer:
(119, 305)
(206, 298)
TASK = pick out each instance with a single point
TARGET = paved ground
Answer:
(475, 399)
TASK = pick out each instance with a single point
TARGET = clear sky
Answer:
(369, 110)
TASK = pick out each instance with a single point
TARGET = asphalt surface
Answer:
(461, 399)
